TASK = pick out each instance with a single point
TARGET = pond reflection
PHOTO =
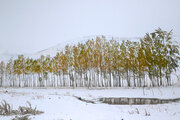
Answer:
(136, 101)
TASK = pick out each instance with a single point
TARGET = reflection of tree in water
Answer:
(137, 101)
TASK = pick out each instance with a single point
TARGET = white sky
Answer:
(28, 26)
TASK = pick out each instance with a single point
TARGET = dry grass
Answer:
(28, 110)
(6, 109)
(39, 97)
(147, 113)
(137, 111)
(22, 118)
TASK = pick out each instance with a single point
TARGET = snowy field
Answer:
(60, 104)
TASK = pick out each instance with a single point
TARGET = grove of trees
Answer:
(98, 63)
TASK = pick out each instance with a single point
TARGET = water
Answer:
(136, 101)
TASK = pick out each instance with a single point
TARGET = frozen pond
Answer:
(136, 101)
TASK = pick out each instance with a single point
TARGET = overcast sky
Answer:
(28, 26)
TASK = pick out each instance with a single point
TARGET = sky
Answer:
(28, 26)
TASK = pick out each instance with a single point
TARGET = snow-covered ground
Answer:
(60, 104)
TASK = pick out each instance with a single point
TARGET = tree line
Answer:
(99, 63)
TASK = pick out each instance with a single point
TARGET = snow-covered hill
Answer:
(52, 51)
(57, 48)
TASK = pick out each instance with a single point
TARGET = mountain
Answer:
(57, 48)
(52, 51)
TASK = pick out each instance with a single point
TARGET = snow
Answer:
(60, 104)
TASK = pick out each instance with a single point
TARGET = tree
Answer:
(99, 63)
(9, 72)
(2, 72)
